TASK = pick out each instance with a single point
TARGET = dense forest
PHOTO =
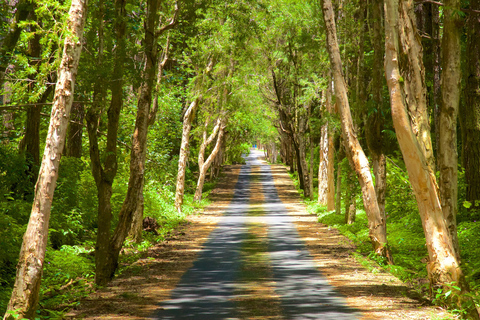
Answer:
(374, 106)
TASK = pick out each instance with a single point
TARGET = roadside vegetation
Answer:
(154, 97)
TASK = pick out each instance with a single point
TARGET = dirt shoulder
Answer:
(136, 293)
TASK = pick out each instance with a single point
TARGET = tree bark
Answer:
(139, 146)
(376, 222)
(326, 168)
(25, 293)
(104, 175)
(31, 140)
(323, 166)
(75, 131)
(470, 114)
(338, 197)
(375, 121)
(350, 201)
(443, 266)
(136, 231)
(447, 149)
(182, 161)
(310, 168)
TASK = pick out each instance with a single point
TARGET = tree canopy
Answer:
(168, 92)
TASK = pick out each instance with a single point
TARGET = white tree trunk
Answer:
(443, 267)
(323, 165)
(182, 161)
(208, 162)
(376, 221)
(24, 297)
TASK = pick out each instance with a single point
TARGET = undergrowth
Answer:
(405, 235)
(69, 267)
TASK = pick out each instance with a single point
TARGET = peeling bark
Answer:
(376, 222)
(182, 161)
(26, 289)
(443, 267)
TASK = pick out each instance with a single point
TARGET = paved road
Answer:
(207, 290)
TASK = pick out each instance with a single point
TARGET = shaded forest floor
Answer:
(136, 292)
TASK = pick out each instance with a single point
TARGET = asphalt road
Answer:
(207, 290)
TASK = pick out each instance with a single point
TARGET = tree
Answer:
(326, 171)
(137, 222)
(205, 165)
(109, 263)
(182, 161)
(377, 221)
(447, 148)
(25, 297)
(470, 112)
(375, 120)
(407, 92)
(104, 175)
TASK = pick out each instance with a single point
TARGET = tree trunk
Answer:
(203, 169)
(447, 149)
(427, 21)
(136, 231)
(182, 160)
(75, 129)
(375, 122)
(443, 267)
(310, 169)
(323, 166)
(104, 176)
(326, 168)
(139, 146)
(338, 197)
(376, 221)
(25, 297)
(301, 149)
(350, 201)
(31, 140)
(471, 109)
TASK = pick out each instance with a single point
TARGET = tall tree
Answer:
(407, 92)
(25, 293)
(326, 169)
(205, 165)
(182, 161)
(447, 148)
(470, 113)
(137, 222)
(375, 121)
(104, 173)
(75, 131)
(106, 271)
(354, 151)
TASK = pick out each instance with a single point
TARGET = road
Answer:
(210, 289)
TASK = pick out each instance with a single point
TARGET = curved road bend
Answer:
(207, 290)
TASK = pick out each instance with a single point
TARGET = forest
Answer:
(373, 106)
